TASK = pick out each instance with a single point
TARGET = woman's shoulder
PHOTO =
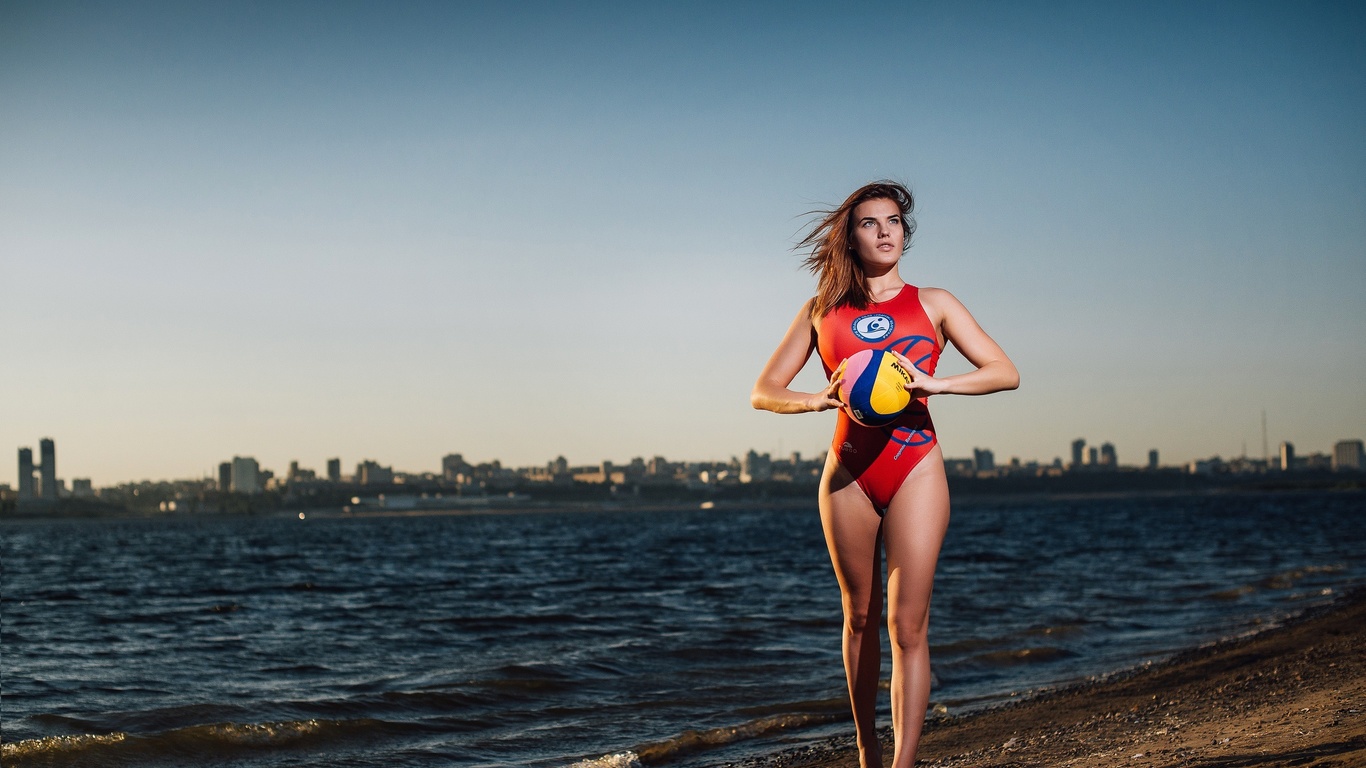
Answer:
(940, 304)
(937, 297)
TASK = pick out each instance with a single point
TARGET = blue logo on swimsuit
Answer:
(875, 327)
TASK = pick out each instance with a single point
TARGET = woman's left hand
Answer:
(922, 384)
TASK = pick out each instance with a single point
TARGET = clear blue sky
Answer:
(393, 231)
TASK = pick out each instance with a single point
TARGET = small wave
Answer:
(977, 645)
(617, 760)
(217, 739)
(50, 747)
(296, 668)
(1016, 656)
(966, 645)
(1316, 594)
(1057, 630)
(688, 742)
(1288, 579)
(834, 705)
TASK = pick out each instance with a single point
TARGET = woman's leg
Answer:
(854, 539)
(914, 529)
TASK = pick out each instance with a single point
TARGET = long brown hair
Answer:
(834, 260)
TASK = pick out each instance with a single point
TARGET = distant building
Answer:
(1287, 456)
(26, 474)
(1108, 459)
(1092, 456)
(334, 470)
(454, 468)
(983, 460)
(756, 467)
(371, 473)
(659, 467)
(1314, 462)
(81, 488)
(48, 471)
(1078, 447)
(958, 467)
(1206, 466)
(1347, 456)
(1152, 459)
(246, 475)
(225, 476)
(299, 474)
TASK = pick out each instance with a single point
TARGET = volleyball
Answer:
(874, 389)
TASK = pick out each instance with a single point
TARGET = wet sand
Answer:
(1294, 695)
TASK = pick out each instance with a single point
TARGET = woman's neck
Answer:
(883, 287)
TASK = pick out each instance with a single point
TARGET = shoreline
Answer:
(499, 506)
(1290, 695)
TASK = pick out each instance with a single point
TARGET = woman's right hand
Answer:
(828, 398)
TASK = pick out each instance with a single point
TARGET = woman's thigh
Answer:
(852, 533)
(913, 531)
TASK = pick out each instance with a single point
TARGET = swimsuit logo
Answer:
(848, 447)
(874, 327)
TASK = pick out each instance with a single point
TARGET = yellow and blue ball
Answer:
(874, 390)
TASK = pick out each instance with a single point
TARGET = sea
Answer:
(614, 638)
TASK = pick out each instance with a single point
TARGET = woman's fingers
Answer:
(911, 371)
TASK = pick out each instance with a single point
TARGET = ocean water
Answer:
(680, 638)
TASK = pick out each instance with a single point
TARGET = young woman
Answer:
(883, 487)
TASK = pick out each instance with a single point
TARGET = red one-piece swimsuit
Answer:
(880, 458)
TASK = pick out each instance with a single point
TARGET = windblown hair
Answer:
(834, 259)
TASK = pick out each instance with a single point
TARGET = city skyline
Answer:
(395, 232)
(247, 474)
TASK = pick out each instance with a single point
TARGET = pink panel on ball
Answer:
(853, 369)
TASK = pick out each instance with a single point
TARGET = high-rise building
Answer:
(1107, 455)
(48, 471)
(225, 476)
(1078, 446)
(334, 470)
(1152, 459)
(983, 460)
(1287, 456)
(1092, 456)
(246, 475)
(26, 474)
(1347, 455)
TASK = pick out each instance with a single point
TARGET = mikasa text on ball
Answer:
(874, 389)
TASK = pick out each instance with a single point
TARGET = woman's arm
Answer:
(770, 391)
(994, 371)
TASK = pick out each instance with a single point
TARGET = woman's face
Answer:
(878, 232)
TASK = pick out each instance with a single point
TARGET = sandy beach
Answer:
(1294, 695)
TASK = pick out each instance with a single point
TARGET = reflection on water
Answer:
(681, 638)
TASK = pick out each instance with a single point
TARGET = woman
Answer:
(883, 487)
